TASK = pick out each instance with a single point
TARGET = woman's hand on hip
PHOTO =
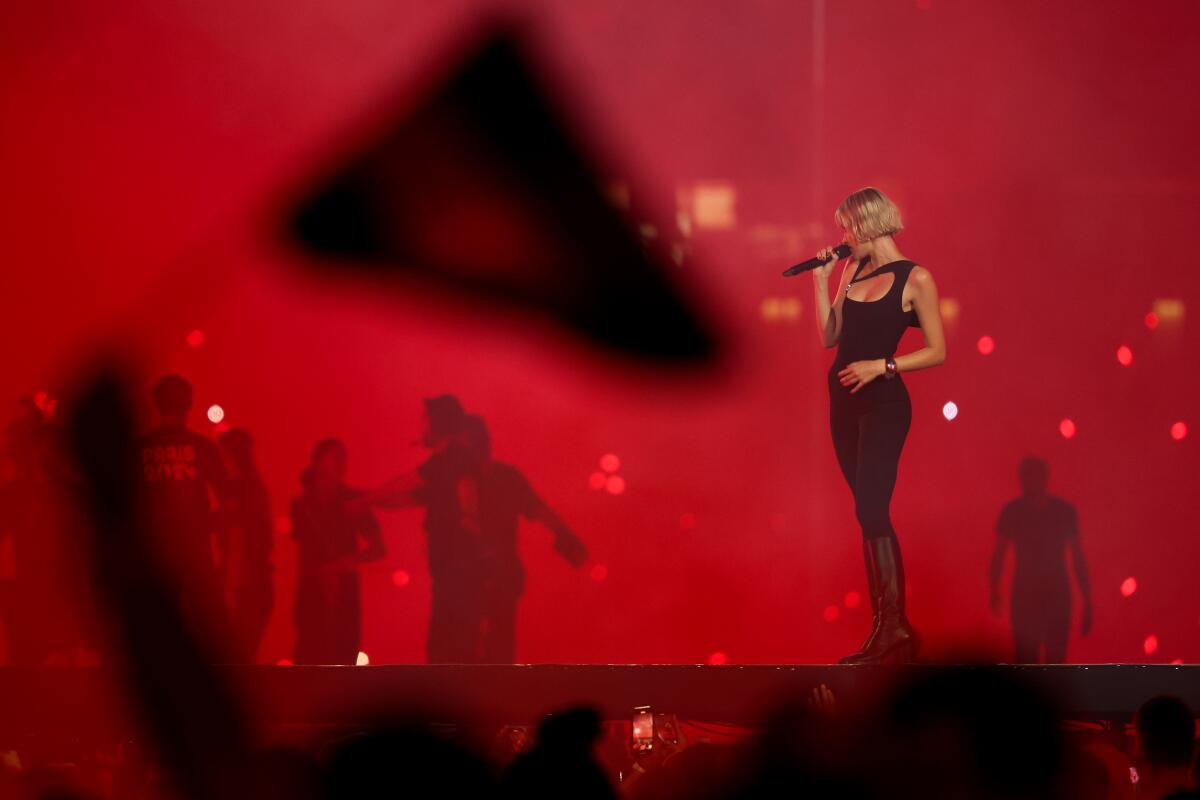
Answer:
(859, 373)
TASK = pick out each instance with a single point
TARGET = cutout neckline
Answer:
(889, 267)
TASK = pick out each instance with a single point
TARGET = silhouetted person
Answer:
(333, 536)
(1041, 528)
(1164, 749)
(562, 763)
(966, 732)
(405, 761)
(185, 478)
(473, 505)
(246, 544)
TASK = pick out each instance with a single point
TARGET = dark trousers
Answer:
(472, 623)
(1041, 621)
(868, 440)
(328, 619)
(252, 602)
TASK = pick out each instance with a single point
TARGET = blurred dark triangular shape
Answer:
(482, 185)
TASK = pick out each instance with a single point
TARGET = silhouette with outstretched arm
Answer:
(1041, 528)
(472, 504)
(333, 535)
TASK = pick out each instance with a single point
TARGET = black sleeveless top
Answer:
(872, 329)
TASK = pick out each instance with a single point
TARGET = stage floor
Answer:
(736, 694)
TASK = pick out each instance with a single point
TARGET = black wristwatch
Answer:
(889, 368)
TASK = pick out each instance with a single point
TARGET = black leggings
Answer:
(868, 441)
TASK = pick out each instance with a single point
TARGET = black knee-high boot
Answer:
(892, 639)
(873, 594)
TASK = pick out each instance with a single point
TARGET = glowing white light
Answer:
(950, 410)
(215, 414)
(362, 660)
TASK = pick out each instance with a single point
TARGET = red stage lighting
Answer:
(1124, 356)
(401, 578)
(610, 463)
(986, 345)
(1178, 431)
(1128, 586)
(1150, 645)
(615, 484)
(1067, 429)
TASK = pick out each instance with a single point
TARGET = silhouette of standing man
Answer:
(184, 473)
(473, 505)
(1041, 528)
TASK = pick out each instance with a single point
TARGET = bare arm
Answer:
(401, 492)
(1079, 563)
(568, 545)
(995, 570)
(829, 314)
(926, 304)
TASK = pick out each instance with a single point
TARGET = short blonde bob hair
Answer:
(869, 214)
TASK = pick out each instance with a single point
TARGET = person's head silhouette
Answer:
(173, 398)
(1034, 474)
(443, 420)
(327, 469)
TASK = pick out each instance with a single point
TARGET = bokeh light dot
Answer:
(1067, 429)
(1151, 320)
(609, 462)
(597, 480)
(718, 658)
(284, 662)
(1179, 431)
(950, 410)
(831, 613)
(687, 521)
(401, 578)
(852, 599)
(986, 345)
(215, 413)
(1124, 356)
(1150, 645)
(195, 338)
(1128, 587)
(615, 484)
(363, 660)
(599, 572)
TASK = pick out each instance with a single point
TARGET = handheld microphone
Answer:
(841, 251)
